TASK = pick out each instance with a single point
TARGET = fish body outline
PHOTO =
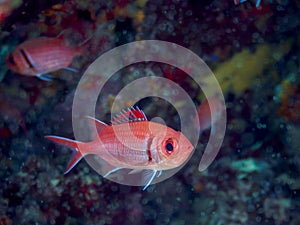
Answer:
(132, 142)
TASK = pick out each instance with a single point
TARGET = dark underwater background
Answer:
(252, 51)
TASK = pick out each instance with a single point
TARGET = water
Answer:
(253, 53)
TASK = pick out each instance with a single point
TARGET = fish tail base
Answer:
(76, 157)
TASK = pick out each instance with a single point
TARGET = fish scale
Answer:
(131, 142)
(134, 149)
(53, 55)
(42, 55)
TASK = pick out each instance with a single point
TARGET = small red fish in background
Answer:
(6, 7)
(138, 145)
(39, 56)
(204, 113)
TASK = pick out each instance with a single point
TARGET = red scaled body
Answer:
(41, 55)
(140, 145)
(132, 142)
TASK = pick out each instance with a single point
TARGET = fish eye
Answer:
(169, 146)
(11, 59)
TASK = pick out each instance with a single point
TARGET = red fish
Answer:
(205, 112)
(5, 9)
(39, 56)
(132, 142)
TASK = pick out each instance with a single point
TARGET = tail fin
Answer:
(76, 157)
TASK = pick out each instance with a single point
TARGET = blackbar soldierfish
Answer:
(42, 55)
(139, 145)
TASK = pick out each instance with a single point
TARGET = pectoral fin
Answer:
(45, 77)
(72, 69)
(115, 169)
(148, 177)
(135, 171)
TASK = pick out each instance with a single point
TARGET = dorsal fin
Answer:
(132, 114)
(94, 122)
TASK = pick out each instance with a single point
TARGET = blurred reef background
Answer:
(254, 54)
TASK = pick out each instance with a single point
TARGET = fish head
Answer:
(174, 148)
(14, 62)
(17, 63)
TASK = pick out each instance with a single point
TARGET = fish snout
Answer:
(10, 60)
(13, 62)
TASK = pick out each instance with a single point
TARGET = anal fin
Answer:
(75, 158)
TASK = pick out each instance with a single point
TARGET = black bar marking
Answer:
(24, 54)
(148, 150)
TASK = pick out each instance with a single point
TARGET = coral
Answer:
(249, 165)
(254, 55)
(277, 209)
(239, 73)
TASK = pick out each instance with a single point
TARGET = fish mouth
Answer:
(10, 59)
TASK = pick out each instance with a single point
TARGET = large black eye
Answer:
(11, 59)
(169, 147)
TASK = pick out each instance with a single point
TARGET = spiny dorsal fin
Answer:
(132, 114)
(94, 122)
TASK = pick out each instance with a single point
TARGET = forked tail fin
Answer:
(76, 157)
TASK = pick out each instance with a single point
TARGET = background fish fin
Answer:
(45, 77)
(72, 69)
(148, 177)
